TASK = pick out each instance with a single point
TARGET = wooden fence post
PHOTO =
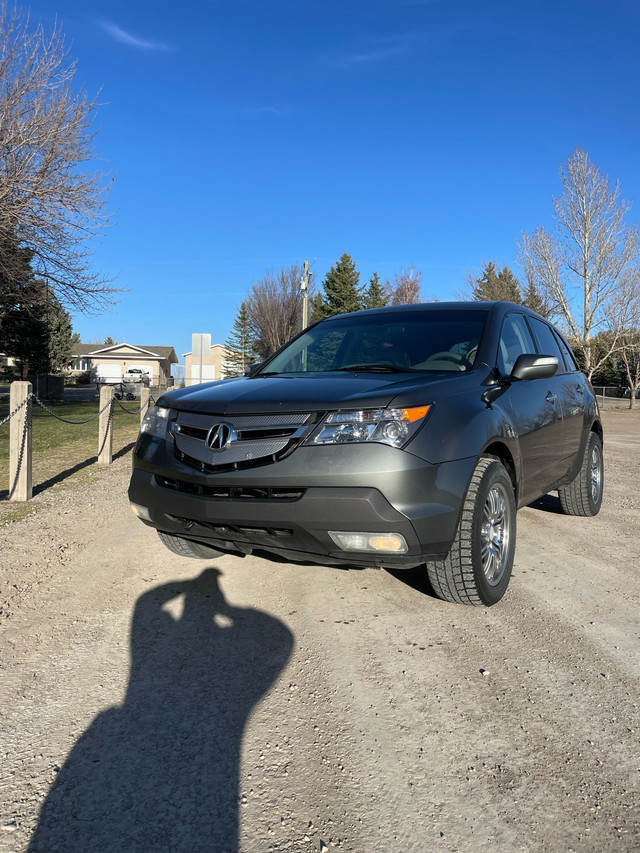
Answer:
(145, 395)
(20, 444)
(105, 431)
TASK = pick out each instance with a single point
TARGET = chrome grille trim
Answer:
(248, 439)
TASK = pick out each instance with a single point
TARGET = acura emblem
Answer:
(220, 435)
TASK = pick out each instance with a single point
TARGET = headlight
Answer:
(156, 420)
(389, 426)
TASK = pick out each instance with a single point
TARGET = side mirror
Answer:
(535, 367)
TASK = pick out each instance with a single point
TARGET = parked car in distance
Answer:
(395, 437)
(136, 374)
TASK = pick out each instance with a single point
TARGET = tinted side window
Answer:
(547, 341)
(569, 358)
(515, 340)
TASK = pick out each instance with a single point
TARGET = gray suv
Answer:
(396, 437)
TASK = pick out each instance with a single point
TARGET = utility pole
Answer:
(305, 278)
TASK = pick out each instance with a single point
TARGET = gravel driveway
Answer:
(155, 703)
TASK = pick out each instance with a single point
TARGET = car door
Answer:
(571, 387)
(535, 411)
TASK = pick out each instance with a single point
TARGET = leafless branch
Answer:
(52, 200)
(591, 259)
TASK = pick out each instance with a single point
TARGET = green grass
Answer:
(58, 448)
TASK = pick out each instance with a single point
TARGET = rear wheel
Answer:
(478, 567)
(187, 548)
(583, 495)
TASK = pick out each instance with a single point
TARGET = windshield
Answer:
(440, 340)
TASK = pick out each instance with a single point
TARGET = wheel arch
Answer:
(504, 455)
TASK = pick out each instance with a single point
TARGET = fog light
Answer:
(141, 511)
(389, 543)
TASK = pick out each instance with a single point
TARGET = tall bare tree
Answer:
(274, 308)
(405, 288)
(628, 351)
(52, 202)
(590, 258)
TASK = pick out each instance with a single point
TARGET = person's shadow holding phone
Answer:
(160, 773)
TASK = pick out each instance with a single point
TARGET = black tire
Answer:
(187, 548)
(478, 567)
(583, 495)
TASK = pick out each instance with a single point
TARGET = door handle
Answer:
(580, 389)
(551, 398)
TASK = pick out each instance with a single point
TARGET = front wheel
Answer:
(478, 567)
(187, 548)
(583, 495)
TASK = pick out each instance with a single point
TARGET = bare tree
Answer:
(628, 350)
(590, 259)
(51, 201)
(405, 288)
(274, 308)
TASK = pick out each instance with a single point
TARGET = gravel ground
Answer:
(155, 703)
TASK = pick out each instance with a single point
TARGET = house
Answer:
(108, 364)
(213, 365)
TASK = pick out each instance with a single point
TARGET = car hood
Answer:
(314, 392)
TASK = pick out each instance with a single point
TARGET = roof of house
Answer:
(101, 350)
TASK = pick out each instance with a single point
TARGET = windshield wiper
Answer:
(376, 368)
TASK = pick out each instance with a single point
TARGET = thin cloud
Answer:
(263, 110)
(378, 51)
(122, 36)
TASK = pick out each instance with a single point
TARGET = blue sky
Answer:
(248, 135)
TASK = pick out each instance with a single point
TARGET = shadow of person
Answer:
(160, 773)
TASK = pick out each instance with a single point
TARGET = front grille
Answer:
(213, 443)
(231, 493)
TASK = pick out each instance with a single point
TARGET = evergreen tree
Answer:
(17, 282)
(496, 286)
(62, 338)
(37, 331)
(341, 292)
(374, 296)
(532, 297)
(241, 345)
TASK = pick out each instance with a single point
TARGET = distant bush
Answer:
(83, 378)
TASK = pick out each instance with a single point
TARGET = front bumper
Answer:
(370, 488)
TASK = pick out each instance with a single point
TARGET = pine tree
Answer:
(241, 345)
(533, 298)
(341, 291)
(37, 332)
(374, 296)
(62, 338)
(496, 286)
(17, 283)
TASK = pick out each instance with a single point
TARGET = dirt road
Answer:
(154, 703)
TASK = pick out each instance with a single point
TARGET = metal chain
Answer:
(25, 430)
(128, 411)
(66, 420)
(108, 429)
(16, 410)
